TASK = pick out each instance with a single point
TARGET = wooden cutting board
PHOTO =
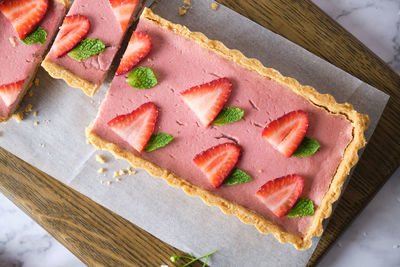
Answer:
(98, 236)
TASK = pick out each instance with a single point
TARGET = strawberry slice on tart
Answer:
(72, 32)
(24, 15)
(10, 92)
(138, 47)
(123, 10)
(208, 99)
(136, 127)
(286, 133)
(279, 195)
(218, 162)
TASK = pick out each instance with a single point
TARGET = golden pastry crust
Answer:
(358, 121)
(71, 79)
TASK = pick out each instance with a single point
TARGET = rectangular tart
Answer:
(19, 61)
(182, 59)
(109, 21)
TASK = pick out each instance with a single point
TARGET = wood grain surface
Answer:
(100, 237)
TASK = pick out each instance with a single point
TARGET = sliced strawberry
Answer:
(24, 15)
(286, 133)
(123, 10)
(208, 99)
(280, 194)
(136, 127)
(9, 92)
(72, 32)
(139, 46)
(218, 162)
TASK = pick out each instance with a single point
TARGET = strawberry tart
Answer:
(27, 29)
(88, 40)
(226, 129)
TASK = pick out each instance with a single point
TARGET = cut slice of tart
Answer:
(283, 130)
(36, 22)
(88, 40)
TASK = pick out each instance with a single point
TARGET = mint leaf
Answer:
(37, 36)
(157, 141)
(303, 207)
(238, 177)
(86, 49)
(142, 78)
(228, 115)
(307, 147)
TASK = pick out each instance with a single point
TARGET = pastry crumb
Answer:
(260, 171)
(117, 179)
(101, 170)
(36, 123)
(131, 171)
(214, 6)
(122, 172)
(184, 8)
(108, 182)
(35, 114)
(42, 145)
(182, 11)
(149, 59)
(28, 108)
(92, 101)
(18, 117)
(100, 159)
(30, 93)
(12, 41)
(37, 82)
(116, 174)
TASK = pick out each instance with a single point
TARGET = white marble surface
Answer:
(372, 240)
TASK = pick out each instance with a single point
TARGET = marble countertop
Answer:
(372, 240)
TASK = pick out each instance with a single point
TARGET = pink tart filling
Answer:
(104, 26)
(180, 64)
(19, 61)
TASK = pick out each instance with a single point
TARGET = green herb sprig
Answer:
(175, 258)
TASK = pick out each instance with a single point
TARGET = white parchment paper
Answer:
(57, 145)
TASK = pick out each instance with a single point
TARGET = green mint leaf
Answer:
(86, 49)
(307, 147)
(142, 78)
(37, 36)
(228, 115)
(303, 207)
(157, 141)
(237, 177)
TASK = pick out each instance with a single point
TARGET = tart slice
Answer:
(27, 28)
(283, 129)
(88, 40)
